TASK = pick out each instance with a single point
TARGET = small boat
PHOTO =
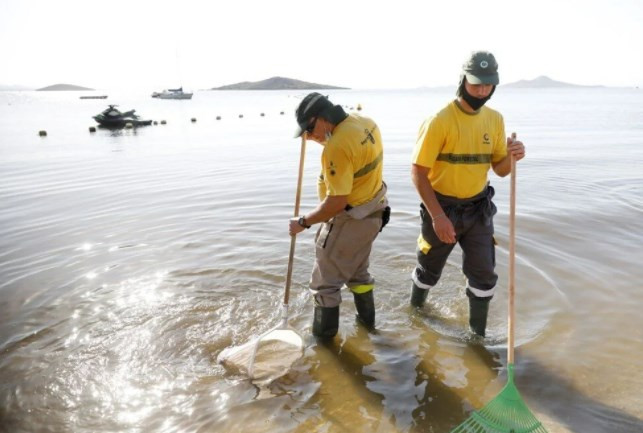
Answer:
(172, 94)
(111, 117)
(94, 97)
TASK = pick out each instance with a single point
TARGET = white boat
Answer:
(172, 94)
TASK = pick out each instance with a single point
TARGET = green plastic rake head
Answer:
(507, 412)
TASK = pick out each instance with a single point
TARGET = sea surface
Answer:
(130, 259)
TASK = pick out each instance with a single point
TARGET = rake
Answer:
(507, 412)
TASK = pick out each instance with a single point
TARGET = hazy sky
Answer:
(153, 44)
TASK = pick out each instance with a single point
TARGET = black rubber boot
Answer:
(478, 310)
(326, 322)
(418, 296)
(365, 306)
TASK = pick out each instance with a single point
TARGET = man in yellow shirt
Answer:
(454, 151)
(353, 209)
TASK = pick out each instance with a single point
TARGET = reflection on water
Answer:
(120, 132)
(130, 259)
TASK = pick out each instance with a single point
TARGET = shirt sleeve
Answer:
(500, 144)
(321, 187)
(337, 170)
(429, 143)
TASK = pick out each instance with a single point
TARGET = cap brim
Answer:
(298, 131)
(483, 79)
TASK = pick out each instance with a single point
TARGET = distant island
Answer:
(56, 87)
(276, 83)
(281, 83)
(542, 82)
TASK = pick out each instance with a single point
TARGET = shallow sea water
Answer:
(130, 259)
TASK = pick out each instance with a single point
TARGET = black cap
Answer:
(481, 68)
(313, 104)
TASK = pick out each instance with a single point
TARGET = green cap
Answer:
(481, 68)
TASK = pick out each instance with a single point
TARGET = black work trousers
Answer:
(473, 224)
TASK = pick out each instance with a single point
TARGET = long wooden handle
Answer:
(291, 256)
(512, 259)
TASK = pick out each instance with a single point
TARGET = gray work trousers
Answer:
(342, 249)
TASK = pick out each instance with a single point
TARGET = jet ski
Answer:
(112, 117)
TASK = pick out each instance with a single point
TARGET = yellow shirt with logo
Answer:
(459, 148)
(352, 161)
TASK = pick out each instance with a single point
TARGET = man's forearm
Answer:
(328, 208)
(420, 178)
(503, 167)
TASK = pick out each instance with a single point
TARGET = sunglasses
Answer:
(311, 126)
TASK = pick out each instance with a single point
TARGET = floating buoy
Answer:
(129, 125)
(42, 133)
(163, 122)
(359, 107)
(218, 117)
(262, 114)
(240, 116)
(92, 129)
(282, 113)
(193, 119)
(155, 122)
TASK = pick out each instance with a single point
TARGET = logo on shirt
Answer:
(369, 136)
(331, 169)
(486, 139)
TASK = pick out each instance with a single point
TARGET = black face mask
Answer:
(475, 103)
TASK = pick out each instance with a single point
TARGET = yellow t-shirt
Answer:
(459, 147)
(352, 161)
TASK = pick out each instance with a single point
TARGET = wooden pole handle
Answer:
(291, 256)
(512, 259)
